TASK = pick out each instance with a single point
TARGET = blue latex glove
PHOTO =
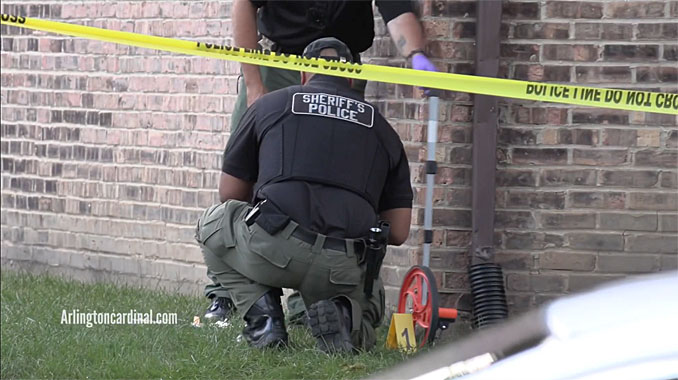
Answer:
(421, 62)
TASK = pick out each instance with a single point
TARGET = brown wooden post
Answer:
(485, 119)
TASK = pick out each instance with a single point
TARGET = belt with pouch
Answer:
(271, 220)
(266, 44)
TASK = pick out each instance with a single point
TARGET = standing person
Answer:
(322, 166)
(287, 27)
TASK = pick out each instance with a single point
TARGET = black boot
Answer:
(265, 322)
(330, 322)
(221, 309)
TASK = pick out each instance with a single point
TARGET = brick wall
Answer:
(110, 152)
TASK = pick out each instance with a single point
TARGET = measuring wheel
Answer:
(419, 293)
(419, 297)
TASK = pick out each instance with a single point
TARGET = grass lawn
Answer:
(36, 345)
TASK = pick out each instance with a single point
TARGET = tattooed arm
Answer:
(407, 33)
(409, 38)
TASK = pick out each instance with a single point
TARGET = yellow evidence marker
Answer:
(401, 333)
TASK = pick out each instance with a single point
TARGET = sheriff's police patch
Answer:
(334, 106)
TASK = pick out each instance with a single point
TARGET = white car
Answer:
(624, 330)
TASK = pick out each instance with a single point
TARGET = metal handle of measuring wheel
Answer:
(431, 170)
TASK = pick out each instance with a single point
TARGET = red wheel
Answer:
(418, 281)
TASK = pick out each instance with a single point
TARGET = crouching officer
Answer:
(322, 167)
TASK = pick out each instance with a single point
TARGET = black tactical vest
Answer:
(329, 138)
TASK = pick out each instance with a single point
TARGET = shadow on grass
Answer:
(35, 344)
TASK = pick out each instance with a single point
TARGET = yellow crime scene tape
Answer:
(629, 100)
